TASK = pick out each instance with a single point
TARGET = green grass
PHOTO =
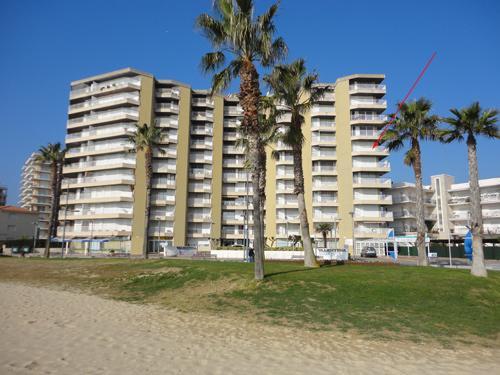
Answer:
(376, 300)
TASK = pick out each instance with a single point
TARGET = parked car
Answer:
(369, 252)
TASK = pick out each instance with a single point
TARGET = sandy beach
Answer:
(47, 331)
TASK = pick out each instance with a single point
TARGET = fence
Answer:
(457, 251)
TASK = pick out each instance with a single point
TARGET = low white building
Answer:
(447, 207)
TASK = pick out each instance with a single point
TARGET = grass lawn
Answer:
(376, 300)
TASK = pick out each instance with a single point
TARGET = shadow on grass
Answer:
(303, 269)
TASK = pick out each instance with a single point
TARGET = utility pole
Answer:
(353, 236)
(64, 221)
(35, 234)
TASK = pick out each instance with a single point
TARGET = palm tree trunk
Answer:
(421, 228)
(249, 99)
(478, 268)
(257, 224)
(149, 175)
(309, 258)
(262, 189)
(325, 243)
(53, 208)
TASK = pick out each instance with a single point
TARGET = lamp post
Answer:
(35, 234)
(353, 236)
(449, 247)
(64, 221)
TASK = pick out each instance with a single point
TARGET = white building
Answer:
(447, 207)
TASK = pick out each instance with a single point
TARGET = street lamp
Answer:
(64, 222)
(35, 234)
(353, 235)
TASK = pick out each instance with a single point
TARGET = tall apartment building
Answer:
(35, 194)
(201, 191)
(3, 195)
(447, 207)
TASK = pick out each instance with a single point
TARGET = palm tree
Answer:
(53, 153)
(414, 124)
(324, 229)
(234, 30)
(146, 139)
(467, 124)
(295, 90)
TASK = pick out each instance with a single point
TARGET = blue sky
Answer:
(46, 44)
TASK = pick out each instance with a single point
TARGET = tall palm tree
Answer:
(249, 40)
(414, 124)
(53, 153)
(146, 138)
(296, 91)
(324, 229)
(467, 124)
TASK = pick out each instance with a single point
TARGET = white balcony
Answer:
(168, 93)
(124, 129)
(365, 181)
(106, 116)
(367, 215)
(100, 148)
(323, 140)
(104, 101)
(167, 122)
(108, 86)
(167, 107)
(367, 102)
(367, 87)
(202, 102)
(372, 117)
(101, 164)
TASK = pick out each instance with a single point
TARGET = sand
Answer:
(46, 331)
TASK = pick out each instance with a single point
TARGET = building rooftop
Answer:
(15, 209)
(482, 183)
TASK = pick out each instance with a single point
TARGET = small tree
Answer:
(324, 229)
(467, 124)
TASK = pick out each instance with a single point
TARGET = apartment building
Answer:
(3, 195)
(447, 207)
(36, 191)
(201, 190)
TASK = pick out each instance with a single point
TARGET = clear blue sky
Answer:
(46, 44)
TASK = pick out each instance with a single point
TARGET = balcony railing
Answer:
(106, 147)
(174, 93)
(84, 180)
(104, 116)
(366, 86)
(118, 83)
(368, 117)
(358, 148)
(380, 164)
(103, 163)
(382, 181)
(167, 107)
(105, 100)
(103, 131)
(380, 214)
(363, 101)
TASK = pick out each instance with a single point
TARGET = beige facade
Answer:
(447, 207)
(36, 191)
(201, 191)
